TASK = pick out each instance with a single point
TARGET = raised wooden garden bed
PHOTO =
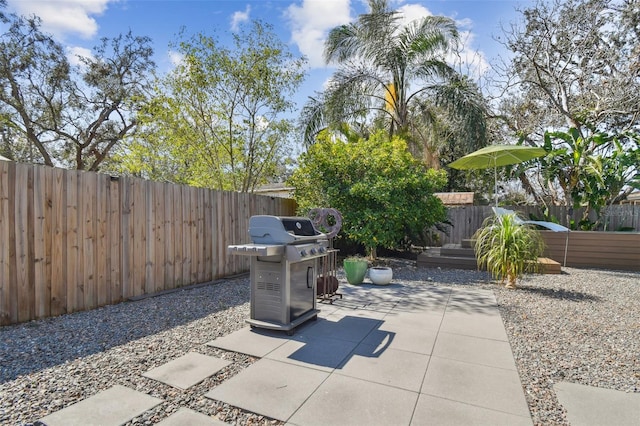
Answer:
(592, 249)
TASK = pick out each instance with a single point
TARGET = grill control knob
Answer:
(321, 250)
(313, 251)
(303, 253)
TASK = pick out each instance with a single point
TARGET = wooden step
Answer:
(456, 250)
(434, 259)
(452, 262)
(549, 266)
(467, 243)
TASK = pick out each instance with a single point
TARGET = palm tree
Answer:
(396, 73)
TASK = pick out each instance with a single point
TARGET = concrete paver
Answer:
(314, 352)
(186, 416)
(386, 366)
(489, 387)
(271, 388)
(493, 353)
(187, 370)
(431, 410)
(343, 400)
(113, 406)
(592, 406)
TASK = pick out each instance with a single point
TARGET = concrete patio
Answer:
(380, 355)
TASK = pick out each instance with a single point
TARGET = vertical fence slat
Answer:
(150, 238)
(71, 238)
(126, 231)
(102, 241)
(159, 234)
(139, 233)
(6, 283)
(23, 214)
(215, 235)
(89, 247)
(114, 233)
(41, 242)
(169, 225)
(208, 241)
(58, 244)
(178, 226)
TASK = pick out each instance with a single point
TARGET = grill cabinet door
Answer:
(302, 287)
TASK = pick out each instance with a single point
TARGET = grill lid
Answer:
(264, 229)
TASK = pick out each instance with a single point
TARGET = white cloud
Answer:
(62, 17)
(310, 22)
(176, 58)
(467, 59)
(73, 54)
(239, 17)
(411, 12)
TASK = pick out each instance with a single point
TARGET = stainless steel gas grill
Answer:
(284, 266)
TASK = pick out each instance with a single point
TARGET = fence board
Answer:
(114, 233)
(5, 241)
(41, 239)
(23, 218)
(102, 240)
(126, 230)
(178, 227)
(89, 237)
(58, 239)
(71, 239)
(149, 265)
(169, 254)
(138, 234)
(158, 237)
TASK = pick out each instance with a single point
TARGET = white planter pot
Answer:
(380, 275)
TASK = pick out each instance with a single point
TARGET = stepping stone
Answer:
(114, 406)
(186, 416)
(188, 370)
(249, 341)
(588, 405)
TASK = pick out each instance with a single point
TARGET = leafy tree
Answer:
(595, 171)
(384, 194)
(56, 114)
(573, 63)
(397, 75)
(574, 69)
(216, 120)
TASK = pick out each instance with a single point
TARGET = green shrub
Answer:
(507, 248)
(384, 194)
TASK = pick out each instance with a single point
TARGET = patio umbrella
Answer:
(503, 155)
(497, 155)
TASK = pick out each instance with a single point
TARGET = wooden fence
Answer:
(467, 219)
(72, 240)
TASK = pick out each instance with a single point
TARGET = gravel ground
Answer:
(582, 326)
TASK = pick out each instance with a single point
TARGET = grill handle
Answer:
(309, 281)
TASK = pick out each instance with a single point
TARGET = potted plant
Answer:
(380, 275)
(355, 268)
(507, 248)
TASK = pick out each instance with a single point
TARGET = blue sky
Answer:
(303, 24)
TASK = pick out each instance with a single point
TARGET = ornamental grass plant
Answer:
(507, 249)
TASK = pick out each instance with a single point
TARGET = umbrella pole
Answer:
(566, 246)
(495, 183)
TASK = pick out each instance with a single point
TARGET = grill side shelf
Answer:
(256, 249)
